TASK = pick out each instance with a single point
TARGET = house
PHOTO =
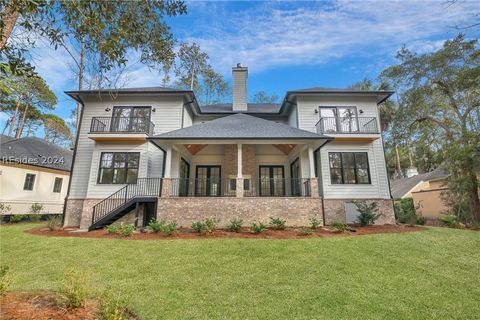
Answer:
(33, 170)
(156, 153)
(425, 189)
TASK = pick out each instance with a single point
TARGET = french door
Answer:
(208, 181)
(295, 175)
(272, 181)
(131, 119)
(184, 178)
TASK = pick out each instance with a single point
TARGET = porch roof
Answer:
(240, 126)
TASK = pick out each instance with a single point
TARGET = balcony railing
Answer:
(122, 125)
(347, 125)
(252, 187)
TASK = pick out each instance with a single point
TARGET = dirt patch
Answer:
(184, 233)
(42, 306)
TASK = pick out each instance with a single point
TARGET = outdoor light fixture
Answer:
(153, 110)
(316, 110)
(107, 109)
(361, 111)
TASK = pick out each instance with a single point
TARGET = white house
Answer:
(33, 170)
(156, 153)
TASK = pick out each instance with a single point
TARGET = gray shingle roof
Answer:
(251, 108)
(33, 150)
(401, 187)
(240, 126)
(382, 95)
(139, 89)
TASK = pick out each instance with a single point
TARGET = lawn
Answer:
(433, 274)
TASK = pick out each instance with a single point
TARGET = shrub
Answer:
(306, 231)
(72, 293)
(4, 280)
(169, 228)
(258, 227)
(449, 220)
(126, 230)
(111, 229)
(315, 223)
(340, 226)
(204, 227)
(368, 212)
(113, 308)
(278, 223)
(54, 222)
(155, 226)
(235, 225)
(4, 208)
(35, 210)
(405, 211)
(421, 220)
(16, 218)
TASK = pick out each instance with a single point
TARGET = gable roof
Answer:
(240, 126)
(381, 95)
(31, 150)
(400, 187)
(251, 108)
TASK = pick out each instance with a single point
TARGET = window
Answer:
(57, 186)
(349, 168)
(130, 119)
(339, 119)
(29, 182)
(118, 167)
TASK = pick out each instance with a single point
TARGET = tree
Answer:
(441, 90)
(213, 86)
(192, 61)
(262, 97)
(56, 130)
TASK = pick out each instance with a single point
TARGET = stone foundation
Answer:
(296, 211)
(335, 210)
(78, 212)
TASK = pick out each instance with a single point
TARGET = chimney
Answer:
(411, 172)
(239, 75)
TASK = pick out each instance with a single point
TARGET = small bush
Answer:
(278, 223)
(4, 208)
(126, 230)
(72, 293)
(111, 229)
(4, 280)
(306, 231)
(368, 212)
(35, 210)
(235, 225)
(405, 211)
(16, 218)
(340, 226)
(204, 227)
(155, 226)
(169, 228)
(113, 308)
(449, 220)
(54, 222)
(258, 227)
(421, 220)
(315, 223)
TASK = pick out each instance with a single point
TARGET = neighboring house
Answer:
(33, 170)
(426, 191)
(156, 153)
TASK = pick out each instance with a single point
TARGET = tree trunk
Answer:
(22, 121)
(399, 167)
(9, 17)
(80, 84)
(14, 117)
(474, 196)
(193, 76)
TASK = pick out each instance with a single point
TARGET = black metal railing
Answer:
(122, 125)
(145, 187)
(252, 187)
(347, 125)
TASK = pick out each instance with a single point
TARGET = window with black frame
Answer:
(131, 119)
(118, 167)
(29, 182)
(349, 168)
(57, 185)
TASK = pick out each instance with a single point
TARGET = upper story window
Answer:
(349, 168)
(344, 120)
(118, 167)
(131, 119)
(57, 185)
(29, 182)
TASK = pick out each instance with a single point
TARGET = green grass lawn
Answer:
(434, 274)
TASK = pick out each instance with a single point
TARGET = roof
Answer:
(4, 138)
(240, 126)
(382, 95)
(251, 108)
(400, 187)
(129, 90)
(35, 151)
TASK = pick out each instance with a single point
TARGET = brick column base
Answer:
(239, 189)
(314, 188)
(166, 188)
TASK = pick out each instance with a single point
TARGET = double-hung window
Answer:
(349, 168)
(57, 186)
(118, 167)
(29, 182)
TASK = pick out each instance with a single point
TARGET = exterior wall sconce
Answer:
(316, 110)
(361, 111)
(153, 110)
(107, 109)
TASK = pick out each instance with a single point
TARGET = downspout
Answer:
(323, 205)
(73, 158)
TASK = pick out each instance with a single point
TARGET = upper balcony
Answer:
(349, 128)
(121, 128)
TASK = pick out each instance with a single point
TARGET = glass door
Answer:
(208, 181)
(130, 119)
(121, 119)
(295, 175)
(184, 178)
(272, 181)
(347, 119)
(328, 118)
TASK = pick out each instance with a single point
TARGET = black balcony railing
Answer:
(252, 187)
(347, 125)
(122, 125)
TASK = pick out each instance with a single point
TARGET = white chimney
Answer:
(239, 75)
(412, 171)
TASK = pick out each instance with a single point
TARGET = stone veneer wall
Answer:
(230, 160)
(79, 212)
(335, 210)
(297, 211)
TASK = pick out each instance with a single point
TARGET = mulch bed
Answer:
(184, 233)
(42, 306)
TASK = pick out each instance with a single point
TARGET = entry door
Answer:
(295, 175)
(272, 181)
(208, 181)
(184, 178)
(130, 119)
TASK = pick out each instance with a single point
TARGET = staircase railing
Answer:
(145, 187)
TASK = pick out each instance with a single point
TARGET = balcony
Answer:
(120, 128)
(349, 127)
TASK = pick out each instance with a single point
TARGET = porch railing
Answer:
(279, 187)
(347, 125)
(122, 125)
(202, 187)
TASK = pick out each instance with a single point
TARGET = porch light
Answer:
(107, 109)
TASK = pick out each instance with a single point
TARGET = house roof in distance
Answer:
(35, 151)
(239, 126)
(400, 187)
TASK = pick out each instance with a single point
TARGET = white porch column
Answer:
(168, 162)
(239, 161)
(311, 160)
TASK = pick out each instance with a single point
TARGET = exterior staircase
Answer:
(125, 200)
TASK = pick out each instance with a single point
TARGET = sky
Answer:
(292, 45)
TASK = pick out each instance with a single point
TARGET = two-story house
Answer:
(156, 153)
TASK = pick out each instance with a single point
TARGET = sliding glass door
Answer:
(208, 181)
(272, 181)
